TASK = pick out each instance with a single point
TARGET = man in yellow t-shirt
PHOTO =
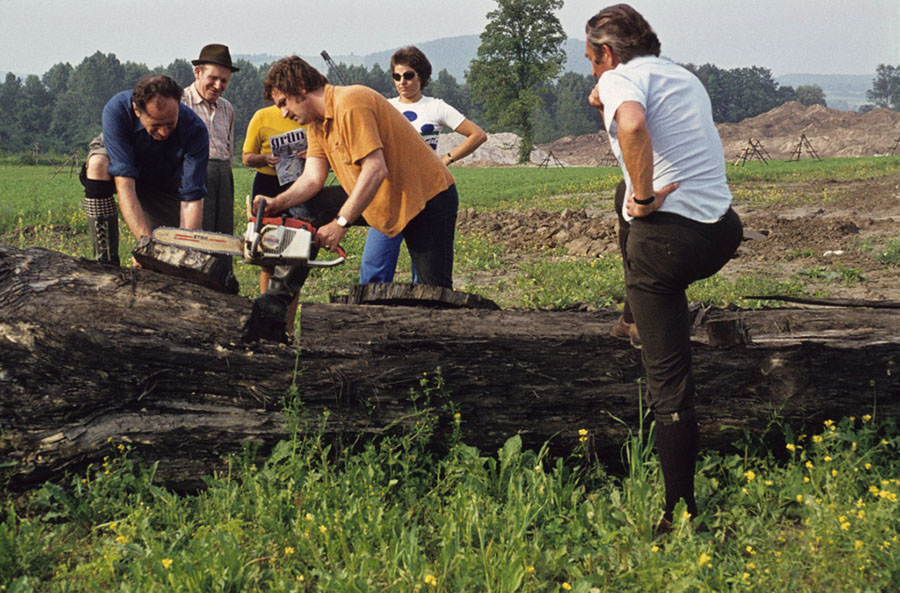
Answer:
(393, 181)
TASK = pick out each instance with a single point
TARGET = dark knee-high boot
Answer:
(677, 445)
(269, 315)
(103, 220)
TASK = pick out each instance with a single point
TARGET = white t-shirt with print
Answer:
(428, 115)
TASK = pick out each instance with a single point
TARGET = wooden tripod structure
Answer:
(551, 161)
(754, 148)
(801, 144)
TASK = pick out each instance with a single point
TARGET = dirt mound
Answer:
(831, 133)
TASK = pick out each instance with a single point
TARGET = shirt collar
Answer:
(197, 98)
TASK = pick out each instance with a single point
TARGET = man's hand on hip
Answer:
(640, 210)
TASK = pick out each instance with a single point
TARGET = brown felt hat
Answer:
(215, 53)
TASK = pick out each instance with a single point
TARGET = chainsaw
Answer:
(267, 241)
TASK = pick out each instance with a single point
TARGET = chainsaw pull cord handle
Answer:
(257, 227)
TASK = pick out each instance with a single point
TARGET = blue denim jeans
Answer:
(379, 258)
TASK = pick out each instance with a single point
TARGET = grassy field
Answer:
(37, 209)
(421, 511)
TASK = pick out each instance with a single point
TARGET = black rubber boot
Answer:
(105, 238)
(268, 318)
(677, 445)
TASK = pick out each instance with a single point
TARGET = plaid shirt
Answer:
(219, 120)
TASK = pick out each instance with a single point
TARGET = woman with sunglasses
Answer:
(411, 72)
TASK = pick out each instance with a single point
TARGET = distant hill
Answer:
(452, 53)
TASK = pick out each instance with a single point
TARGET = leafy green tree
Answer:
(521, 48)
(574, 116)
(811, 94)
(57, 78)
(133, 73)
(11, 96)
(444, 86)
(181, 70)
(741, 92)
(78, 111)
(885, 91)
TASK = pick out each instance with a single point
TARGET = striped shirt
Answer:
(219, 120)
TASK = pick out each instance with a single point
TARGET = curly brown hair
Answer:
(155, 85)
(292, 76)
(624, 30)
(413, 57)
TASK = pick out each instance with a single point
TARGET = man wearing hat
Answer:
(212, 71)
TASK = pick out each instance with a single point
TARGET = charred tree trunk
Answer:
(89, 353)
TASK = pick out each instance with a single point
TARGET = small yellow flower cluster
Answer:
(431, 580)
(582, 435)
(705, 560)
(750, 475)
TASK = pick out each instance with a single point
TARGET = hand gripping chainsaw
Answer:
(267, 242)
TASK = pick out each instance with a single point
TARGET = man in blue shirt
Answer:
(153, 154)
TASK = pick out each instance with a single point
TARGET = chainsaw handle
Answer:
(257, 227)
(321, 263)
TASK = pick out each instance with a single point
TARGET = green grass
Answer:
(38, 210)
(394, 515)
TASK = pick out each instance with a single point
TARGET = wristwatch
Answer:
(450, 156)
(342, 222)
(645, 201)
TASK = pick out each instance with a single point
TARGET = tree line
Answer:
(60, 111)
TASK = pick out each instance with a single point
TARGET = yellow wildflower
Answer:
(166, 562)
(866, 418)
(430, 580)
(567, 586)
(749, 475)
(288, 550)
(704, 560)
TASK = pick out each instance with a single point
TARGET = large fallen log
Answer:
(89, 354)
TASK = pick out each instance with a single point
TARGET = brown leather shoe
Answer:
(626, 331)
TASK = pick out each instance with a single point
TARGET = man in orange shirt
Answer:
(393, 181)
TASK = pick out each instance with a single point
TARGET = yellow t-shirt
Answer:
(264, 124)
(359, 121)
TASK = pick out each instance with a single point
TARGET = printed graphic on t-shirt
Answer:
(429, 133)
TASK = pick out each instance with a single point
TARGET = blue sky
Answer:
(786, 36)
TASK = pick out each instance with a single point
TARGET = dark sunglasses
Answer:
(408, 75)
